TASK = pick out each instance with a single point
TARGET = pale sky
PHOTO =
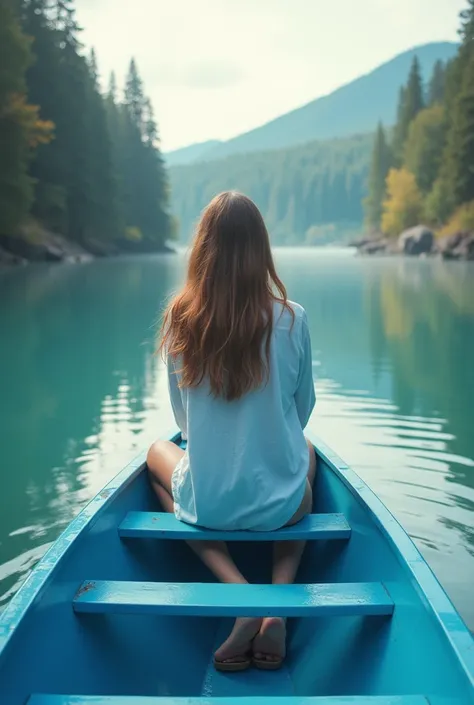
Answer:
(216, 68)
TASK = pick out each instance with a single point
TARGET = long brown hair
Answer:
(221, 321)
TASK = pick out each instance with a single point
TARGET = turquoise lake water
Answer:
(81, 392)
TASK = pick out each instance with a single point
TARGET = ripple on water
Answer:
(408, 462)
(14, 572)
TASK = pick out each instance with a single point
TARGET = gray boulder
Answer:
(416, 241)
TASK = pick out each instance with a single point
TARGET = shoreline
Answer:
(34, 244)
(419, 241)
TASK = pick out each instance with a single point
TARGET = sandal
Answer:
(231, 666)
(265, 665)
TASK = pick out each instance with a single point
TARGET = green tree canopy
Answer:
(380, 165)
(424, 146)
(403, 207)
(20, 128)
(105, 157)
(437, 84)
(410, 103)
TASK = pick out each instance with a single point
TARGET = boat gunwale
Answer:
(39, 578)
(408, 555)
(410, 559)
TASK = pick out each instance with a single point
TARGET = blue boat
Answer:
(121, 612)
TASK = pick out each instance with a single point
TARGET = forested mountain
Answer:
(317, 192)
(88, 166)
(188, 155)
(298, 190)
(424, 171)
(353, 109)
(73, 161)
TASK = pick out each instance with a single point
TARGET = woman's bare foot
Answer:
(270, 642)
(239, 643)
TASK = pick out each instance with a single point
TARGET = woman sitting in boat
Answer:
(240, 377)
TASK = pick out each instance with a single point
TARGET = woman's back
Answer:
(247, 459)
(240, 376)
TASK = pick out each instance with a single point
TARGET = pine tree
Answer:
(437, 84)
(455, 184)
(145, 189)
(410, 103)
(20, 127)
(64, 15)
(467, 29)
(459, 156)
(113, 90)
(381, 162)
(93, 70)
(57, 82)
(115, 122)
(76, 192)
(150, 128)
(104, 210)
(414, 94)
(400, 130)
(15, 186)
(134, 99)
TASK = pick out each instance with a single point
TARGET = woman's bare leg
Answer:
(162, 459)
(270, 642)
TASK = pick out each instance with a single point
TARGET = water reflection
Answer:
(82, 392)
(82, 387)
(395, 390)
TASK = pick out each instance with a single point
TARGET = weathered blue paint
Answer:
(204, 600)
(423, 650)
(159, 525)
(124, 700)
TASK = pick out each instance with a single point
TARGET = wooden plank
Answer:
(165, 526)
(224, 600)
(168, 700)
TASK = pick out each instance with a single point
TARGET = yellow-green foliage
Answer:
(403, 207)
(133, 234)
(424, 146)
(462, 219)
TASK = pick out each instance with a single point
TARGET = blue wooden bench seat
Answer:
(224, 600)
(165, 526)
(266, 700)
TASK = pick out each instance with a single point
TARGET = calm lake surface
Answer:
(393, 342)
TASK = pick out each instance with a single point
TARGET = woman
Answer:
(240, 379)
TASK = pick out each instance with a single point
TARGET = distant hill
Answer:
(352, 109)
(193, 153)
(308, 194)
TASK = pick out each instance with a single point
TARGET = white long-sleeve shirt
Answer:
(246, 461)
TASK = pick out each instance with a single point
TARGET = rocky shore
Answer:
(417, 241)
(36, 244)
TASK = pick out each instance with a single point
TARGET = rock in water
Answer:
(416, 241)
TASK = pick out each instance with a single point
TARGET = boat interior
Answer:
(98, 630)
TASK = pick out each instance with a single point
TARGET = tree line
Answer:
(80, 163)
(301, 191)
(423, 169)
